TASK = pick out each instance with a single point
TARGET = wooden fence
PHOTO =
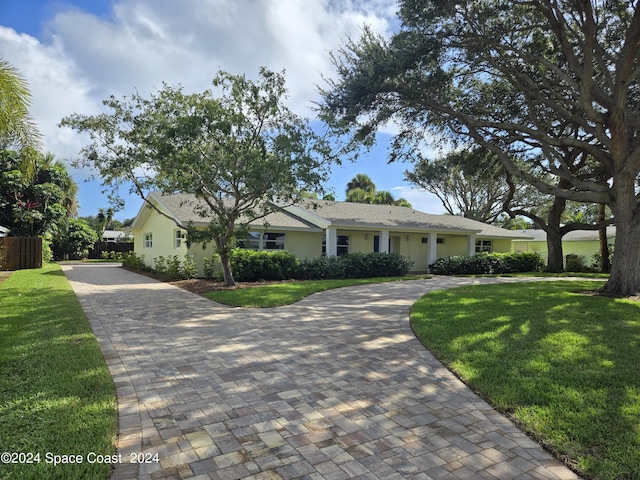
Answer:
(99, 247)
(19, 253)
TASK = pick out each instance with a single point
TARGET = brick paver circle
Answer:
(333, 387)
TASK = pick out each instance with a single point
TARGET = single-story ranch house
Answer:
(316, 227)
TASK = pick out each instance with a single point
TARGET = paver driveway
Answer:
(334, 387)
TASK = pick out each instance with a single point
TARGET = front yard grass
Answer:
(56, 394)
(561, 363)
(286, 293)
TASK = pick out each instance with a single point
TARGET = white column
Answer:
(471, 245)
(384, 241)
(332, 242)
(432, 243)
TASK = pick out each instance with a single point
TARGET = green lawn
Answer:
(278, 294)
(562, 364)
(594, 275)
(56, 394)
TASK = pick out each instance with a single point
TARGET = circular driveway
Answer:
(333, 387)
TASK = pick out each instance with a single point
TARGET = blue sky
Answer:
(76, 53)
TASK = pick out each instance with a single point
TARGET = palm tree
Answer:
(361, 189)
(361, 181)
(17, 128)
(104, 218)
(384, 197)
(359, 195)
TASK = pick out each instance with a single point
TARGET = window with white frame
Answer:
(148, 240)
(273, 241)
(178, 236)
(484, 246)
(342, 244)
(263, 241)
(251, 241)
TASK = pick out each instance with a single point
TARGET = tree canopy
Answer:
(468, 182)
(549, 86)
(236, 147)
(34, 203)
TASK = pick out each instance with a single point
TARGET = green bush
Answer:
(112, 255)
(211, 266)
(355, 265)
(75, 241)
(189, 268)
(375, 264)
(576, 263)
(160, 265)
(133, 261)
(487, 263)
(174, 268)
(168, 268)
(47, 252)
(252, 265)
(322, 268)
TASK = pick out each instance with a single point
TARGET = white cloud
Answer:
(83, 58)
(56, 87)
(143, 43)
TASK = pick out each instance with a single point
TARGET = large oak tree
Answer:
(549, 86)
(237, 148)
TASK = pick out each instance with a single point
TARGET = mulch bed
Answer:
(202, 285)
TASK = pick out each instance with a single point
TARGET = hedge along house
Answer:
(583, 244)
(321, 227)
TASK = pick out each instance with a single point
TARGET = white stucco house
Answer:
(321, 227)
(4, 231)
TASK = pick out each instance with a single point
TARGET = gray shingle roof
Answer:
(348, 214)
(312, 214)
(575, 236)
(182, 206)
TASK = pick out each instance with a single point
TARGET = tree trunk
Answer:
(625, 270)
(605, 260)
(224, 251)
(555, 260)
(225, 263)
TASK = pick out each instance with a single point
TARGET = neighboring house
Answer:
(113, 236)
(4, 231)
(316, 227)
(579, 243)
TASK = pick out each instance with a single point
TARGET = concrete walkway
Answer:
(333, 387)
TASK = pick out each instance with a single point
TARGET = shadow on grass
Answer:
(562, 364)
(57, 395)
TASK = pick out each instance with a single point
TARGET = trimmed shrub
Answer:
(322, 268)
(487, 263)
(252, 265)
(356, 265)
